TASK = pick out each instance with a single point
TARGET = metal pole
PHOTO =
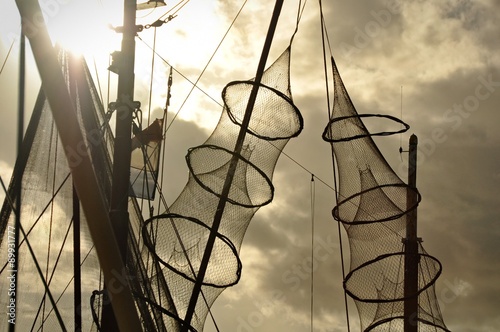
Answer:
(411, 245)
(77, 282)
(118, 213)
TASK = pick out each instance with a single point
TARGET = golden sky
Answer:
(444, 54)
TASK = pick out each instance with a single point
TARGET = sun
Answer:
(83, 26)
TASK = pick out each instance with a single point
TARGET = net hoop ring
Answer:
(288, 100)
(380, 258)
(224, 239)
(327, 137)
(166, 312)
(270, 187)
(335, 211)
(390, 319)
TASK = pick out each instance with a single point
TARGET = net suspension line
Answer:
(325, 39)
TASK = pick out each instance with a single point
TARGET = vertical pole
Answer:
(77, 282)
(411, 245)
(118, 214)
(20, 133)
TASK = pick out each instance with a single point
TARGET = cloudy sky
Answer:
(444, 54)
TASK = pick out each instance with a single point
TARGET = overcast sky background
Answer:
(445, 55)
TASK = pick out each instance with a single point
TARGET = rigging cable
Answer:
(63, 292)
(50, 223)
(324, 36)
(181, 3)
(40, 215)
(97, 77)
(44, 319)
(35, 261)
(7, 56)
(401, 134)
(195, 86)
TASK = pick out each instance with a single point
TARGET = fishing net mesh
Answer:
(47, 216)
(179, 237)
(372, 207)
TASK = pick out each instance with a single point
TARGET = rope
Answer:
(206, 66)
(50, 280)
(50, 224)
(324, 37)
(165, 118)
(37, 265)
(152, 75)
(97, 77)
(7, 57)
(182, 3)
(63, 292)
(39, 216)
(313, 200)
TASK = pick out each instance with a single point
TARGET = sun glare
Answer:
(83, 27)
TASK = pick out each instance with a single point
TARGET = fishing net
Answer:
(372, 207)
(48, 215)
(178, 239)
(145, 159)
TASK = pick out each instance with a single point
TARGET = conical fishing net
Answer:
(372, 207)
(179, 237)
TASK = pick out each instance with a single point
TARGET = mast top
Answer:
(413, 139)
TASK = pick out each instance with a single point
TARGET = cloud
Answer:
(441, 53)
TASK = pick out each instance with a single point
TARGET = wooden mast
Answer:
(125, 107)
(411, 245)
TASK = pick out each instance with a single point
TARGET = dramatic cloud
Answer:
(446, 57)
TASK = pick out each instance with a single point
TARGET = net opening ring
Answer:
(327, 133)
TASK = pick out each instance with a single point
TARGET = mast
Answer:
(125, 107)
(411, 245)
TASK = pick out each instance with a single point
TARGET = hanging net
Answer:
(178, 239)
(49, 214)
(145, 160)
(372, 207)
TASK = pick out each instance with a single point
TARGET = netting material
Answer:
(178, 238)
(47, 195)
(372, 207)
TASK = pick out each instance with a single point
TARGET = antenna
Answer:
(401, 118)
